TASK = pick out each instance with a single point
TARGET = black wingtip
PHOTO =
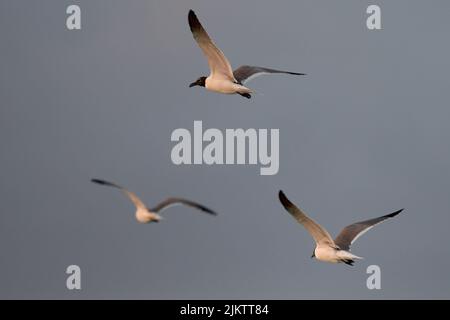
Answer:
(105, 183)
(393, 214)
(284, 200)
(98, 181)
(193, 20)
(207, 210)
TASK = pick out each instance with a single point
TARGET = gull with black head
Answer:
(222, 78)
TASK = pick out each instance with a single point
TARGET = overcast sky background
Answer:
(365, 133)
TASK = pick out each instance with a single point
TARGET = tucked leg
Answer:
(246, 95)
(349, 262)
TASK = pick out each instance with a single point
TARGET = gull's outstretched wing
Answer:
(320, 235)
(350, 233)
(247, 73)
(218, 63)
(134, 198)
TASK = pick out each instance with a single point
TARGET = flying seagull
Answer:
(146, 215)
(327, 249)
(222, 78)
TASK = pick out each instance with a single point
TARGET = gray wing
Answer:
(218, 63)
(180, 201)
(319, 234)
(134, 198)
(246, 73)
(350, 233)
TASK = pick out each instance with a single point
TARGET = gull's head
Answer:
(199, 82)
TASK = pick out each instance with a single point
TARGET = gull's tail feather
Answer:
(257, 93)
(345, 255)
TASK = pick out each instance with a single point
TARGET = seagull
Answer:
(327, 249)
(222, 78)
(146, 215)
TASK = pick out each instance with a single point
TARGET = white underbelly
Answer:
(225, 86)
(143, 216)
(327, 254)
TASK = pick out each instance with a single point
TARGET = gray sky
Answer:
(365, 133)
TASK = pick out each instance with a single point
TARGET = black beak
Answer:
(313, 255)
(193, 84)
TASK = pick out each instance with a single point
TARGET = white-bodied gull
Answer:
(222, 78)
(327, 249)
(146, 215)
